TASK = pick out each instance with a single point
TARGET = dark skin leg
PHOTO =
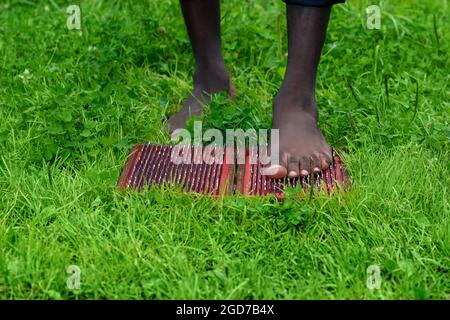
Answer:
(303, 148)
(202, 20)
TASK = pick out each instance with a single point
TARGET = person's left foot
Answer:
(302, 147)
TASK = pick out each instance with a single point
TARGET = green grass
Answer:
(66, 127)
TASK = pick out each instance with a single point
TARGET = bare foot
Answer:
(206, 83)
(302, 146)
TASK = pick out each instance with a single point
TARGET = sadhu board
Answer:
(152, 164)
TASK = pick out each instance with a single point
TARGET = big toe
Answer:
(275, 171)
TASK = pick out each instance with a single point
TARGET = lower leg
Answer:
(302, 146)
(306, 34)
(202, 20)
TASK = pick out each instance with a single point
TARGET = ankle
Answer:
(296, 102)
(211, 78)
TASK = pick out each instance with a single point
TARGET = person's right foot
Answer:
(303, 149)
(206, 83)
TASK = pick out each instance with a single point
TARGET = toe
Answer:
(315, 163)
(275, 171)
(304, 166)
(325, 161)
(293, 167)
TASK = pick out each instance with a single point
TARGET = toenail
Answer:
(304, 173)
(316, 170)
(292, 174)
